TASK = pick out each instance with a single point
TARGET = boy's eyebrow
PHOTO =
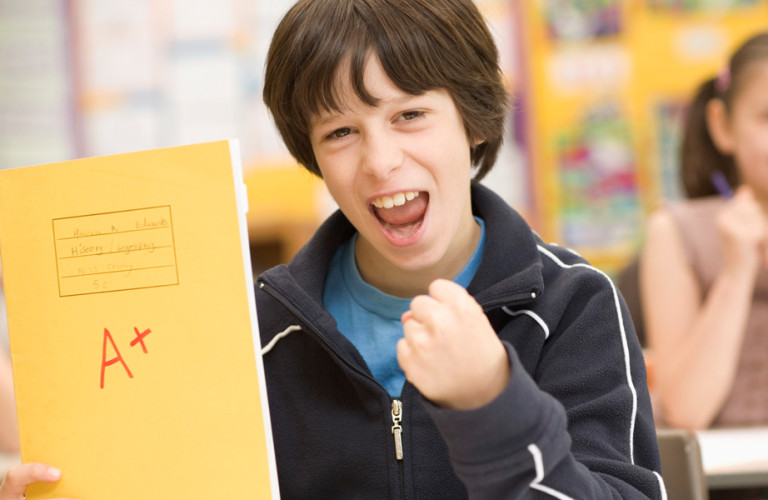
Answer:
(320, 119)
(326, 116)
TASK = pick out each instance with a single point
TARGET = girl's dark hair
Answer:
(699, 155)
(421, 44)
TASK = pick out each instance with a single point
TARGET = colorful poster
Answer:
(604, 88)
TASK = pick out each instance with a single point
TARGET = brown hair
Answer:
(699, 155)
(421, 44)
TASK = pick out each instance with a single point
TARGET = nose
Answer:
(382, 153)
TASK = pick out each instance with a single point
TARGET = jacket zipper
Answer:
(397, 429)
(397, 432)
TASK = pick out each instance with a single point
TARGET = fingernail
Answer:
(54, 473)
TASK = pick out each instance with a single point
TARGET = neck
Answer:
(407, 283)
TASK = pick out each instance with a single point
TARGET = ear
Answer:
(719, 126)
(475, 143)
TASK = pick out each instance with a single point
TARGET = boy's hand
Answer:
(450, 352)
(18, 478)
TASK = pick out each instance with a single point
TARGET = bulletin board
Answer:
(604, 88)
(38, 122)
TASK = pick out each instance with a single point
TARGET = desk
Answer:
(735, 458)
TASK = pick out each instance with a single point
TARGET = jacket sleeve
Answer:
(575, 420)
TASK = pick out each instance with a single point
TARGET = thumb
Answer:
(18, 478)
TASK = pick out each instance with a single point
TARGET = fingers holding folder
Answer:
(18, 478)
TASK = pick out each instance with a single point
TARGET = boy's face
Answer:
(400, 171)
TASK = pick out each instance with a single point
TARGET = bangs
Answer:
(753, 52)
(320, 86)
(408, 55)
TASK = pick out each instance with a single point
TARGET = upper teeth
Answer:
(395, 200)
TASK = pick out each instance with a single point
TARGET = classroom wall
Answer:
(94, 77)
(599, 88)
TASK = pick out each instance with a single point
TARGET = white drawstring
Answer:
(276, 338)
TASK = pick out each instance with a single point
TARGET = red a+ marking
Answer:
(140, 338)
(105, 363)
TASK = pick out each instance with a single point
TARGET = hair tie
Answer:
(723, 81)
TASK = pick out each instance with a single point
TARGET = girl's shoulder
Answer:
(695, 210)
(690, 226)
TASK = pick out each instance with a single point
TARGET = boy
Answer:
(426, 343)
(529, 382)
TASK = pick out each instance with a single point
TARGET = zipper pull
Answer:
(397, 429)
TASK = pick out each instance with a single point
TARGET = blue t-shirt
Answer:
(370, 318)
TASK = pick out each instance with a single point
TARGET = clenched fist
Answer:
(449, 351)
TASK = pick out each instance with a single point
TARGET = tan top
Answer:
(748, 401)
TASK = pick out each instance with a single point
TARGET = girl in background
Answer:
(703, 276)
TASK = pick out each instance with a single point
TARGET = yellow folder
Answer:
(133, 326)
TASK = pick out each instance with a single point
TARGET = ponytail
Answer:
(699, 155)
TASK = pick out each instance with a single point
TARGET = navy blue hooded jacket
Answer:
(574, 421)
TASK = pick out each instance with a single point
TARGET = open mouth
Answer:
(401, 214)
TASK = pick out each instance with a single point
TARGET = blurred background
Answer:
(599, 86)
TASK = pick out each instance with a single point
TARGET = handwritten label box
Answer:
(115, 251)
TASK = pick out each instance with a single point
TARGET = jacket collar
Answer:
(510, 268)
(511, 265)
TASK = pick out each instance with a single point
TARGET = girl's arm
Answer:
(695, 340)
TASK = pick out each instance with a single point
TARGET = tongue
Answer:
(409, 213)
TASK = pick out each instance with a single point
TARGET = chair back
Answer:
(681, 465)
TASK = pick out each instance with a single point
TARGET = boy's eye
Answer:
(339, 133)
(411, 115)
